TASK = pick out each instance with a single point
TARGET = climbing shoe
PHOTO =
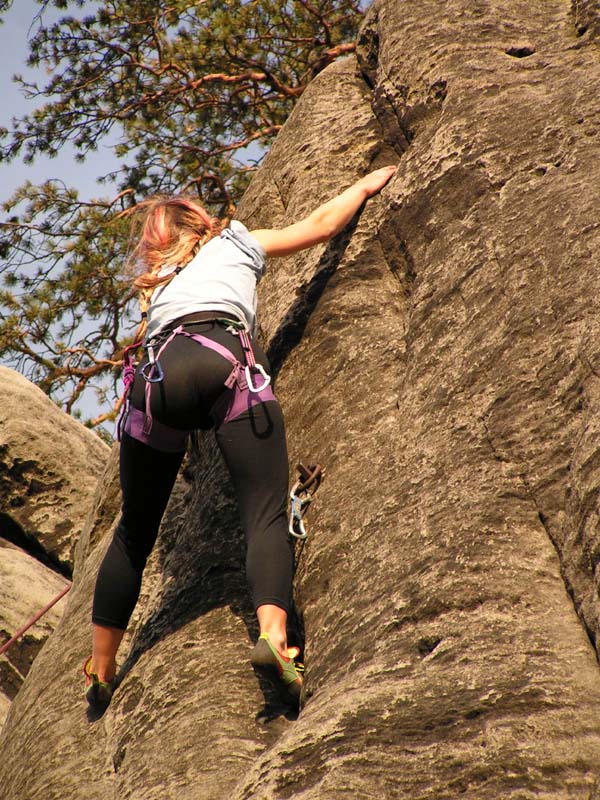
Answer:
(283, 671)
(98, 693)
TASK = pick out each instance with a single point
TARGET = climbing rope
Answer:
(33, 620)
(301, 497)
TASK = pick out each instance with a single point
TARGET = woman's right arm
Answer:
(325, 221)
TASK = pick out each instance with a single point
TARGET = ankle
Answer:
(278, 639)
(105, 671)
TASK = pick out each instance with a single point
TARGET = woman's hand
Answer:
(376, 180)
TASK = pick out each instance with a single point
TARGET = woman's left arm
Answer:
(326, 220)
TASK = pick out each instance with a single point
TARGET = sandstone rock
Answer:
(26, 587)
(587, 17)
(440, 358)
(49, 467)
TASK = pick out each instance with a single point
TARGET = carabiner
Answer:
(296, 522)
(253, 388)
(298, 509)
(149, 378)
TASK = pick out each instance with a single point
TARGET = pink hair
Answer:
(171, 232)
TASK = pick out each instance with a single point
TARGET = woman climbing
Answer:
(202, 369)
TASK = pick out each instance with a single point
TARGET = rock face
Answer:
(49, 468)
(440, 359)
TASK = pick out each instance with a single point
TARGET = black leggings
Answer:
(254, 448)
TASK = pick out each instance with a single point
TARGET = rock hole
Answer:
(522, 51)
(439, 91)
(427, 644)
(118, 758)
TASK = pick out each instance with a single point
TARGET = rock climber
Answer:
(202, 369)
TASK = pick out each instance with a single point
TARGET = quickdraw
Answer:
(300, 497)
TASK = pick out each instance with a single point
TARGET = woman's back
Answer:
(221, 277)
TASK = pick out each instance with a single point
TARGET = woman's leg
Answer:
(273, 620)
(105, 643)
(147, 477)
(255, 451)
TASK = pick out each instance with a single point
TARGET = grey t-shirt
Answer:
(222, 276)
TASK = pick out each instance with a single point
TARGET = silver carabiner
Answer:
(298, 508)
(149, 378)
(253, 388)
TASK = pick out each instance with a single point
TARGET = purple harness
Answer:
(242, 395)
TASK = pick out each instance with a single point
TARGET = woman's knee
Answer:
(135, 543)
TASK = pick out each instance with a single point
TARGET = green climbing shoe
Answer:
(98, 693)
(284, 672)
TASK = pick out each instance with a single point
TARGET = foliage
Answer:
(4, 6)
(188, 95)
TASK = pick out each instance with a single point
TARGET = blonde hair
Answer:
(169, 232)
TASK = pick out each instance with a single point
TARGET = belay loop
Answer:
(300, 497)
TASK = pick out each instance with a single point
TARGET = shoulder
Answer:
(238, 235)
(238, 232)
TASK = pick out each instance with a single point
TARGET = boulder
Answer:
(439, 358)
(49, 468)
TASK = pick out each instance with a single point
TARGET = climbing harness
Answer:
(300, 497)
(34, 619)
(242, 379)
(246, 392)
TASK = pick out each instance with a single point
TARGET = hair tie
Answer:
(144, 314)
(177, 270)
